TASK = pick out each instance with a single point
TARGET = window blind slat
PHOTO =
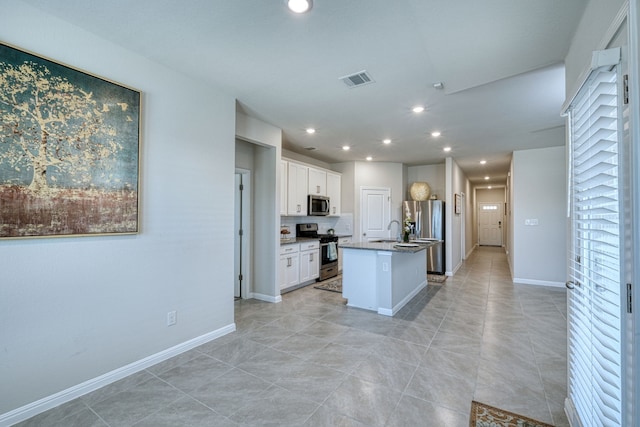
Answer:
(594, 304)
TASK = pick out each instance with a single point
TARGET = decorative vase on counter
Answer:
(405, 237)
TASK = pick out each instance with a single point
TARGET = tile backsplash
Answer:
(342, 225)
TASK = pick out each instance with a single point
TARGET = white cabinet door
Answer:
(283, 186)
(309, 265)
(289, 266)
(309, 261)
(317, 182)
(341, 240)
(334, 192)
(297, 179)
(289, 270)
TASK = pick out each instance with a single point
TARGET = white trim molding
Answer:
(517, 280)
(32, 409)
(266, 298)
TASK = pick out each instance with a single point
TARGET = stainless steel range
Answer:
(328, 249)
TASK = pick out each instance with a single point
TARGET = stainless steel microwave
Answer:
(318, 205)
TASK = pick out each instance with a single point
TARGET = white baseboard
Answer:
(64, 396)
(405, 300)
(267, 298)
(473, 248)
(538, 282)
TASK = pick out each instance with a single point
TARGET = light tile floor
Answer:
(312, 361)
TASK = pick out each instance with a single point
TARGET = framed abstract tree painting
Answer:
(69, 150)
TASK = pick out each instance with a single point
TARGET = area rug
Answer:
(436, 278)
(333, 285)
(487, 416)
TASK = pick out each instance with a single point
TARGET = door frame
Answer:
(242, 246)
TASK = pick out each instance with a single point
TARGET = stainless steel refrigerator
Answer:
(429, 220)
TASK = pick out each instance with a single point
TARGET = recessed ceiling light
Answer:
(310, 130)
(489, 187)
(418, 109)
(346, 147)
(486, 178)
(386, 141)
(435, 134)
(300, 6)
(483, 162)
(447, 149)
(369, 158)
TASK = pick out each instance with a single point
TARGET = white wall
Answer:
(72, 309)
(434, 175)
(305, 159)
(245, 153)
(510, 238)
(470, 220)
(539, 193)
(456, 182)
(589, 36)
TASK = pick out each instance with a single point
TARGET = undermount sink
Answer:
(385, 241)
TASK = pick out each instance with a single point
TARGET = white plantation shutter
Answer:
(594, 303)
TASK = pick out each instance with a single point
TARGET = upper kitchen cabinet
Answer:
(334, 192)
(284, 165)
(299, 180)
(317, 182)
(297, 190)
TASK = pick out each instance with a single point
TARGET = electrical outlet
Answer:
(172, 318)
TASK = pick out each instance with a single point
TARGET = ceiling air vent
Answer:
(358, 79)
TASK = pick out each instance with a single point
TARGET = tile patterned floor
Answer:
(312, 361)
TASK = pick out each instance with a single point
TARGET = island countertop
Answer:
(411, 247)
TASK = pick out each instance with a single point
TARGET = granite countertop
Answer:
(389, 246)
(297, 240)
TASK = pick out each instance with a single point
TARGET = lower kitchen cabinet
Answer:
(341, 240)
(299, 263)
(289, 271)
(309, 261)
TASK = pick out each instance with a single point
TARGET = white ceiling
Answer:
(500, 62)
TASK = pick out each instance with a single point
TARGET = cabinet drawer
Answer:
(309, 245)
(290, 249)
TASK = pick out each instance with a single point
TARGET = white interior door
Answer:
(596, 319)
(375, 204)
(490, 219)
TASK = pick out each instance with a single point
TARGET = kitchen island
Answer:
(383, 276)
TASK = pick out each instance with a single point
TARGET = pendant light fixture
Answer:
(300, 6)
